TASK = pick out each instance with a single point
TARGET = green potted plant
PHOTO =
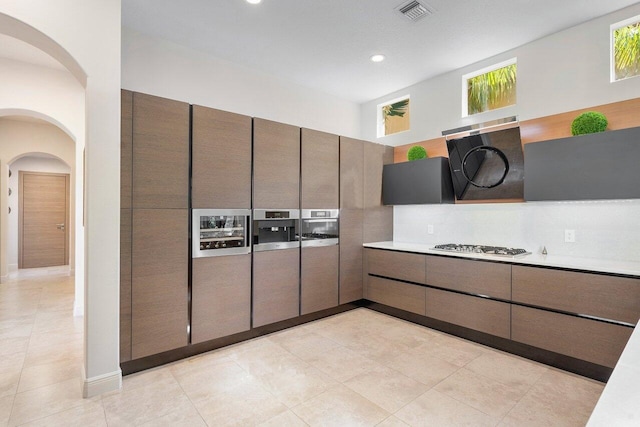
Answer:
(589, 122)
(416, 152)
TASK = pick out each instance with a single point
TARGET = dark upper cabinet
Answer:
(587, 167)
(425, 181)
(160, 153)
(276, 165)
(320, 154)
(221, 159)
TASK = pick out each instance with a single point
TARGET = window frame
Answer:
(612, 44)
(380, 128)
(465, 84)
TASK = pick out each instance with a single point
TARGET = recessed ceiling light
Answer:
(254, 1)
(377, 58)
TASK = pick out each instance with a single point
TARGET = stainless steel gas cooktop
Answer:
(481, 249)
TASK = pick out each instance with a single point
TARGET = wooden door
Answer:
(276, 165)
(319, 278)
(44, 219)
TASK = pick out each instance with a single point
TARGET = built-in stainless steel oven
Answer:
(275, 229)
(218, 232)
(319, 227)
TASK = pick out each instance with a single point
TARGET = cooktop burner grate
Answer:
(481, 249)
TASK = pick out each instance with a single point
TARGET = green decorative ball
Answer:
(416, 152)
(589, 122)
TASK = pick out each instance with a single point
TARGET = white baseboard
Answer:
(78, 308)
(12, 267)
(4, 279)
(96, 386)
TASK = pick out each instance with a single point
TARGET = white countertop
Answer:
(619, 404)
(559, 261)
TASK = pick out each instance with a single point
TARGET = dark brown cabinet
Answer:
(276, 286)
(276, 165)
(221, 160)
(160, 153)
(221, 297)
(404, 296)
(397, 265)
(159, 280)
(320, 173)
(318, 278)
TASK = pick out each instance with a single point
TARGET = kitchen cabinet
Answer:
(276, 286)
(126, 174)
(351, 218)
(378, 219)
(318, 278)
(159, 280)
(596, 342)
(479, 314)
(276, 165)
(221, 159)
(425, 181)
(600, 295)
(586, 167)
(221, 297)
(160, 160)
(351, 263)
(474, 277)
(400, 295)
(397, 265)
(320, 170)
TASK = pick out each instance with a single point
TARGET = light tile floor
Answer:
(355, 368)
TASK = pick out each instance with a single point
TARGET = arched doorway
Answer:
(87, 43)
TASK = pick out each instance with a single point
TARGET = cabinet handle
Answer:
(60, 226)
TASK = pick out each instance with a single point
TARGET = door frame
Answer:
(21, 175)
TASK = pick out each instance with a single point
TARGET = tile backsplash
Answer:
(603, 229)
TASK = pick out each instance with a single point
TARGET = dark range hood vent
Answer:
(414, 10)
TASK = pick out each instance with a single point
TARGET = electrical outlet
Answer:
(570, 236)
(430, 229)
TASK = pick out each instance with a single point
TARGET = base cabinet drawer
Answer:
(590, 340)
(477, 277)
(480, 314)
(276, 286)
(396, 294)
(609, 297)
(397, 265)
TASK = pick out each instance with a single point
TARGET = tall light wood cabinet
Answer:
(154, 225)
(276, 165)
(221, 160)
(220, 179)
(351, 218)
(126, 158)
(320, 177)
(363, 218)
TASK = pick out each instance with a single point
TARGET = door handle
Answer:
(60, 226)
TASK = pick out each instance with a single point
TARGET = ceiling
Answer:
(326, 44)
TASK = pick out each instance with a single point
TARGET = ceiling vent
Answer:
(414, 10)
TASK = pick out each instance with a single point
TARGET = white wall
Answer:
(162, 68)
(604, 229)
(29, 164)
(89, 33)
(562, 72)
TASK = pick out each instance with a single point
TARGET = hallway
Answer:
(355, 368)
